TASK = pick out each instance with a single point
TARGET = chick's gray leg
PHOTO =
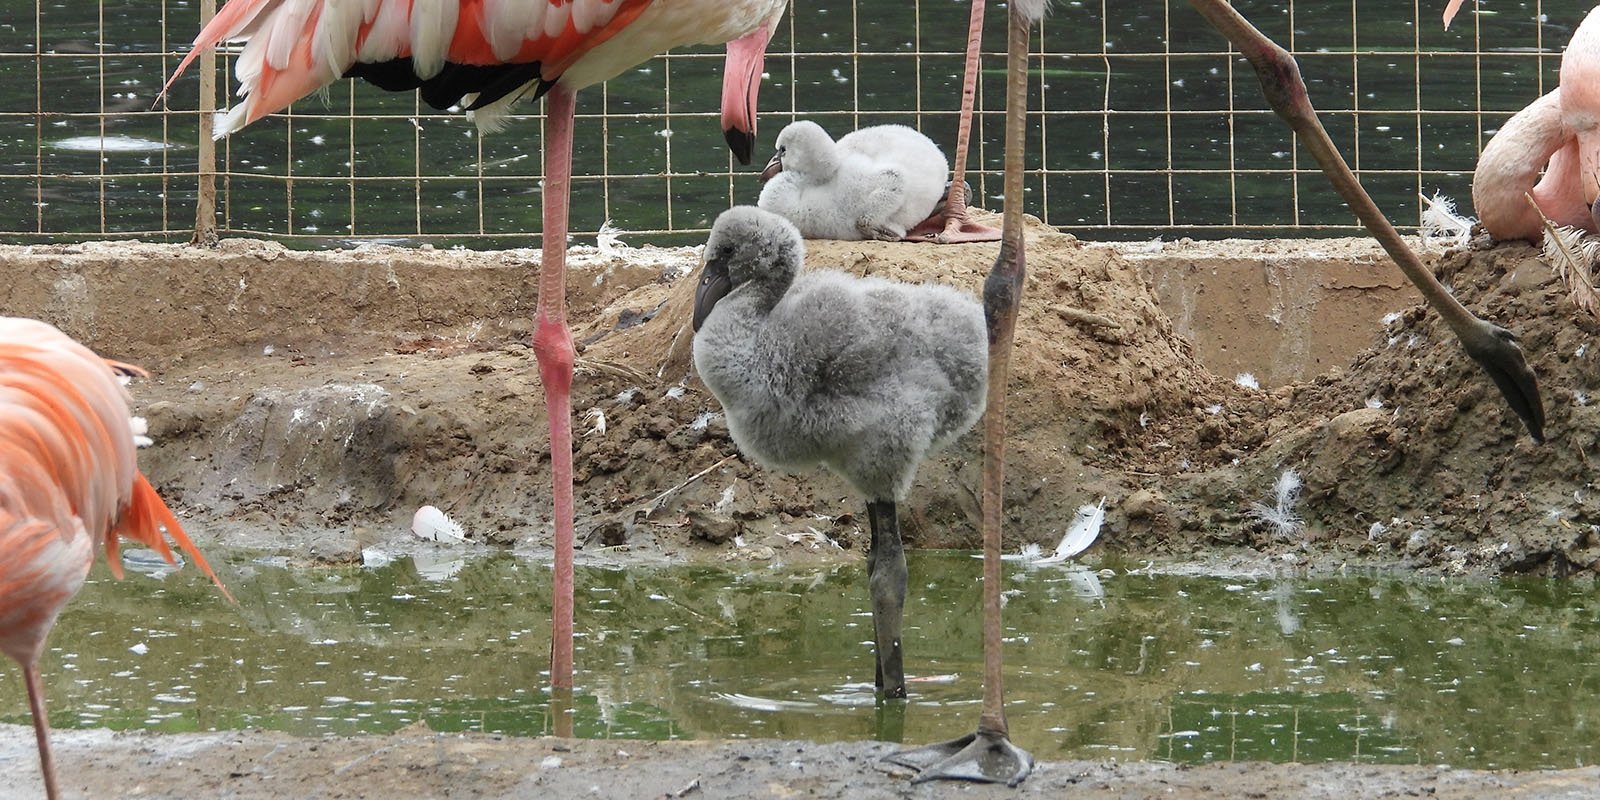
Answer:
(886, 580)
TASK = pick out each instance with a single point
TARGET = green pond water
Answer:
(1129, 665)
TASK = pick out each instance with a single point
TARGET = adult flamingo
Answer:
(988, 755)
(483, 55)
(68, 487)
(1493, 347)
(1558, 133)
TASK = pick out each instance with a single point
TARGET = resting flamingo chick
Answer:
(862, 375)
(68, 487)
(875, 183)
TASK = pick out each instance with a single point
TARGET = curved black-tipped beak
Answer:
(1497, 352)
(714, 284)
(742, 143)
(774, 166)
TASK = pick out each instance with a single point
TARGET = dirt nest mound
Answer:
(1412, 453)
(310, 402)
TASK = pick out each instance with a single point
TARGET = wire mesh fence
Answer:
(1144, 123)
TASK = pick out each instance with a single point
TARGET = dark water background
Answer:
(1142, 125)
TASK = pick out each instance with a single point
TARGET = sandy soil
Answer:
(308, 403)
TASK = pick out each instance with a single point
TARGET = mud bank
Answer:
(310, 402)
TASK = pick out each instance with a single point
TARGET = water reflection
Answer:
(1182, 668)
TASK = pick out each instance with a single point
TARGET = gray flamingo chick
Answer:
(863, 375)
(874, 183)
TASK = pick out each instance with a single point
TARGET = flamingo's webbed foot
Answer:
(982, 757)
(951, 229)
(1496, 350)
(945, 226)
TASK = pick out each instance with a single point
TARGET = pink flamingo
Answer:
(68, 487)
(484, 55)
(987, 754)
(1558, 133)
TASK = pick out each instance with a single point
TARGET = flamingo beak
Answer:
(774, 166)
(741, 83)
(742, 143)
(714, 285)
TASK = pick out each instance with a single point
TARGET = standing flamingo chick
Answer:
(68, 487)
(862, 375)
(875, 183)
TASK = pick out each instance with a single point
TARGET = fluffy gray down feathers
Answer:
(1033, 10)
(863, 375)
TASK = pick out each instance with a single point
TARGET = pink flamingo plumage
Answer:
(68, 487)
(484, 55)
(1558, 134)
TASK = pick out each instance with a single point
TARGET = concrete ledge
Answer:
(1283, 310)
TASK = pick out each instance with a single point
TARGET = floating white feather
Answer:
(435, 526)
(1081, 533)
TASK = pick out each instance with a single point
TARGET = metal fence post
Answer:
(205, 210)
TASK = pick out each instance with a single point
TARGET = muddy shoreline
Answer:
(422, 764)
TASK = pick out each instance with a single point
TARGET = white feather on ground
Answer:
(1441, 224)
(1280, 516)
(1572, 253)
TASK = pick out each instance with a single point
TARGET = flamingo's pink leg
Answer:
(552, 344)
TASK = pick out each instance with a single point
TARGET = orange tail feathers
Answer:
(142, 521)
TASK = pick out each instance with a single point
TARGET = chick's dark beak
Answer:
(714, 284)
(774, 166)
